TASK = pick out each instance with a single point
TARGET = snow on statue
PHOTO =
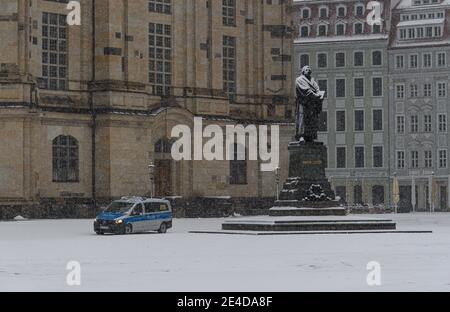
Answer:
(309, 101)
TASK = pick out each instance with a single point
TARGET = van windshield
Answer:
(119, 207)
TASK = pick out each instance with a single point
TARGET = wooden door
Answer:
(163, 178)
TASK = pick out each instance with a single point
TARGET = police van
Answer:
(135, 215)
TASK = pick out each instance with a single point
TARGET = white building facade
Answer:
(419, 111)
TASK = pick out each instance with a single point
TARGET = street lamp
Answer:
(151, 170)
(278, 179)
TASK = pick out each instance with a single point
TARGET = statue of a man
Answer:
(309, 100)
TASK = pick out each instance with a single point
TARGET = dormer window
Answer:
(340, 29)
(323, 12)
(341, 11)
(306, 13)
(358, 29)
(359, 10)
(426, 2)
(322, 31)
(376, 29)
(304, 31)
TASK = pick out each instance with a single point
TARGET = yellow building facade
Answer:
(84, 109)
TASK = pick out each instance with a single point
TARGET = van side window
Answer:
(151, 208)
(138, 210)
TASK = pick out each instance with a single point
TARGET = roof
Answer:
(138, 199)
(342, 38)
(408, 4)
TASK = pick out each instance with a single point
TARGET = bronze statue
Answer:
(309, 101)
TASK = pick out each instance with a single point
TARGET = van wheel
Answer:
(100, 233)
(163, 229)
(128, 229)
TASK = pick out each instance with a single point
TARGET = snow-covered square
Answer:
(34, 256)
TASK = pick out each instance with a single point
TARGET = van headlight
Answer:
(119, 221)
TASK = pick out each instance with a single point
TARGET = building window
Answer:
(160, 58)
(229, 12)
(306, 13)
(428, 124)
(163, 146)
(358, 28)
(322, 60)
(402, 33)
(378, 157)
(427, 90)
(340, 121)
(399, 61)
(323, 30)
(54, 51)
(65, 159)
(323, 86)
(443, 161)
(340, 29)
(414, 91)
(427, 60)
(360, 157)
(420, 32)
(340, 88)
(238, 166)
(377, 87)
(428, 156)
(160, 6)
(304, 60)
(442, 89)
(442, 59)
(359, 120)
(359, 10)
(399, 92)
(376, 29)
(229, 65)
(341, 11)
(377, 58)
(400, 125)
(414, 159)
(438, 31)
(378, 195)
(323, 12)
(401, 161)
(341, 158)
(413, 61)
(377, 120)
(358, 58)
(340, 59)
(442, 118)
(414, 124)
(359, 87)
(304, 31)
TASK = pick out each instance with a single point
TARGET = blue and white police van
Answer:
(135, 215)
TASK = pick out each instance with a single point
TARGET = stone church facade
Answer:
(84, 110)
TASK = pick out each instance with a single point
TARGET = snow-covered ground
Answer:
(34, 255)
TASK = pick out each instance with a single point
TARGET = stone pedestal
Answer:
(307, 203)
(307, 186)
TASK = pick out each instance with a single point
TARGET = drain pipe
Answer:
(93, 116)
